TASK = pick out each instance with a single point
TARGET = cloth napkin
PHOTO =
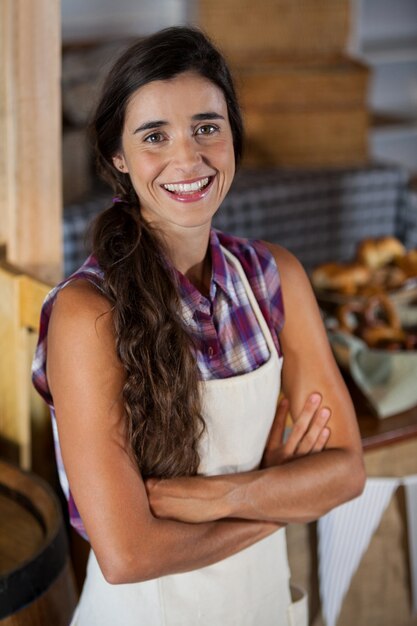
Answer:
(387, 379)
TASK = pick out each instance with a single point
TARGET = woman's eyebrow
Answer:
(150, 125)
(209, 115)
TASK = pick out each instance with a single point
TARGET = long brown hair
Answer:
(161, 392)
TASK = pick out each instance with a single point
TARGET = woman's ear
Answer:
(120, 163)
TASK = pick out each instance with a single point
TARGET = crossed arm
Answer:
(296, 485)
(143, 531)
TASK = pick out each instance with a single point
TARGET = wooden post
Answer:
(30, 135)
(30, 206)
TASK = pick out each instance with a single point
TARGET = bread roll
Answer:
(341, 277)
(408, 263)
(375, 253)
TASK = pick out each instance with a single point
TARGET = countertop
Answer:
(376, 432)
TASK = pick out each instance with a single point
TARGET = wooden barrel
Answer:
(36, 582)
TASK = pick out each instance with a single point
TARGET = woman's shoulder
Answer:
(285, 260)
(264, 255)
(80, 298)
(73, 306)
(90, 271)
(295, 282)
(85, 284)
(252, 253)
(80, 301)
(293, 277)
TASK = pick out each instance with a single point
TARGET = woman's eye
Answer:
(207, 129)
(154, 138)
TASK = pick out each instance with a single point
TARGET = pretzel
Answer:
(379, 311)
(377, 323)
(388, 277)
(350, 316)
(384, 337)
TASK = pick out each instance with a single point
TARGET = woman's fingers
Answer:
(302, 423)
(309, 433)
(322, 440)
(317, 424)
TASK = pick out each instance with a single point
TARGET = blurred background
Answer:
(329, 96)
(380, 33)
(333, 85)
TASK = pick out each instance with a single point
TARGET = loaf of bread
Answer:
(408, 263)
(376, 253)
(342, 277)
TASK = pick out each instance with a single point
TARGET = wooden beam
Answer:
(30, 131)
(21, 298)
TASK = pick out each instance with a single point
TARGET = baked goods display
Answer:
(377, 253)
(380, 265)
(363, 293)
(341, 277)
(408, 263)
(376, 321)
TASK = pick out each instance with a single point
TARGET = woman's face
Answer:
(177, 148)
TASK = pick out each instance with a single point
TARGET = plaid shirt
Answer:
(226, 333)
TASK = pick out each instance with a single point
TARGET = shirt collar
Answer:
(221, 277)
(221, 270)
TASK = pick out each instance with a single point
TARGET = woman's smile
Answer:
(189, 191)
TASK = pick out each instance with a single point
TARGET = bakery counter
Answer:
(359, 562)
(376, 432)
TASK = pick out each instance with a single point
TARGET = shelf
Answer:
(384, 36)
(389, 51)
(393, 127)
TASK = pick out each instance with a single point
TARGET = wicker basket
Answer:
(313, 84)
(305, 114)
(287, 28)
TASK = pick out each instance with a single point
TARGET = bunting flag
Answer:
(343, 537)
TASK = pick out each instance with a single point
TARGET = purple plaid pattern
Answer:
(226, 333)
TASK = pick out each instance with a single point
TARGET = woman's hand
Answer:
(201, 499)
(191, 499)
(308, 435)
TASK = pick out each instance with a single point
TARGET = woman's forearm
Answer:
(170, 547)
(299, 480)
(297, 491)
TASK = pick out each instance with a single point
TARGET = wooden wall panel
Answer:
(30, 131)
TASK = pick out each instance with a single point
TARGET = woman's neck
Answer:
(190, 254)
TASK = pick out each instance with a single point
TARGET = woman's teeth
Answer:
(187, 187)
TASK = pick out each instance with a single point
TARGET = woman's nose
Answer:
(187, 154)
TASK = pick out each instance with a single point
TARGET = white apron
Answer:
(250, 588)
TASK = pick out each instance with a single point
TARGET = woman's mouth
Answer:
(189, 191)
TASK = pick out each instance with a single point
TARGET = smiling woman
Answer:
(162, 360)
(175, 153)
